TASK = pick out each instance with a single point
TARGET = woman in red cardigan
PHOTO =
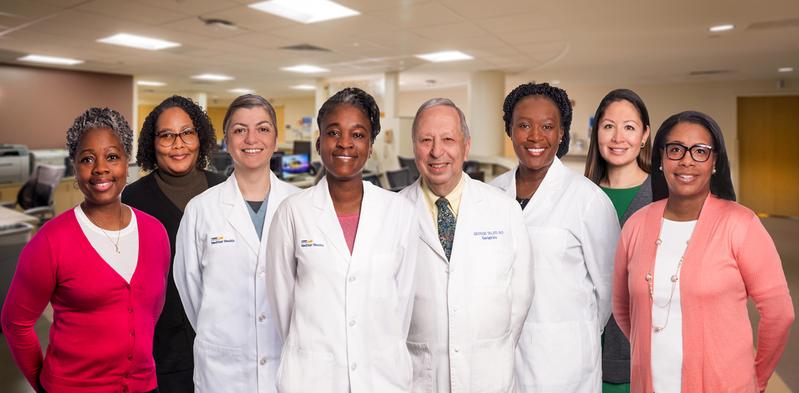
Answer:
(102, 265)
(685, 266)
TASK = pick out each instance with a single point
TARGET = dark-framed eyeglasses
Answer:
(166, 138)
(700, 152)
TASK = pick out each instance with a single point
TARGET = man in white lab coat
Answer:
(474, 271)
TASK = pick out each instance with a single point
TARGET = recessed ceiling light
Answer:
(450, 55)
(150, 83)
(241, 90)
(137, 41)
(303, 87)
(720, 28)
(305, 11)
(305, 69)
(213, 77)
(50, 60)
(785, 69)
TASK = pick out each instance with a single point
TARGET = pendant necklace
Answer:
(674, 278)
(119, 232)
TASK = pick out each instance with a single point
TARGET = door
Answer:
(768, 149)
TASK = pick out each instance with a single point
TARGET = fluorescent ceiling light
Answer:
(720, 28)
(137, 41)
(785, 69)
(305, 11)
(554, 82)
(50, 60)
(303, 87)
(213, 77)
(241, 90)
(305, 69)
(150, 83)
(449, 55)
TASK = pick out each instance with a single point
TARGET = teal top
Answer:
(257, 212)
(621, 198)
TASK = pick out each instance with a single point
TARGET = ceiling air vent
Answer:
(305, 47)
(709, 72)
(774, 24)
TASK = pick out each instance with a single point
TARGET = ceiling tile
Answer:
(131, 11)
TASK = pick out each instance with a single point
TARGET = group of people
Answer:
(185, 280)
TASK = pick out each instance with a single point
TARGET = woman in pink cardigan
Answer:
(685, 266)
(103, 266)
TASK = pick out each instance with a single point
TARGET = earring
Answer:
(660, 168)
(714, 170)
(642, 144)
(560, 141)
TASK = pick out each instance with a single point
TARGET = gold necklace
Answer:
(119, 232)
(674, 278)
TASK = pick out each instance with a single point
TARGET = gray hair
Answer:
(249, 101)
(99, 118)
(445, 102)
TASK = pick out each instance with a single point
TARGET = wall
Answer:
(410, 101)
(38, 105)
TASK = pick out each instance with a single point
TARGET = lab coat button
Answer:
(352, 278)
(261, 318)
(263, 361)
(457, 349)
(352, 323)
(261, 274)
(354, 366)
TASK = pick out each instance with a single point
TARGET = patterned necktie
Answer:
(446, 225)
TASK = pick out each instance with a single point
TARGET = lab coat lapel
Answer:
(277, 193)
(427, 232)
(328, 221)
(549, 191)
(237, 215)
(368, 223)
(471, 204)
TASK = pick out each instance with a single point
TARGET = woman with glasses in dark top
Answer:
(175, 144)
(685, 267)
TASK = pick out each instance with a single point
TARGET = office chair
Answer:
(374, 179)
(410, 163)
(36, 195)
(472, 168)
(221, 163)
(399, 179)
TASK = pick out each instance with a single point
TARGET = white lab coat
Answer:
(220, 270)
(574, 230)
(469, 311)
(344, 318)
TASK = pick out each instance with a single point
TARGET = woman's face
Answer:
(177, 143)
(620, 134)
(344, 142)
(101, 167)
(686, 177)
(251, 138)
(536, 132)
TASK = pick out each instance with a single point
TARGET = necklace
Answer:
(119, 232)
(674, 278)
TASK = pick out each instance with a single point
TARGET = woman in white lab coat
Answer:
(340, 266)
(220, 259)
(573, 230)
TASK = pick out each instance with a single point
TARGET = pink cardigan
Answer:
(730, 257)
(101, 339)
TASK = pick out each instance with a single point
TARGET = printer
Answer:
(14, 163)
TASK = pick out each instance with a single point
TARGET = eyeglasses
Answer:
(699, 152)
(167, 138)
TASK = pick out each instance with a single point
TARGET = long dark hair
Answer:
(596, 168)
(720, 182)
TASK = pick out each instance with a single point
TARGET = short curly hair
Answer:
(99, 118)
(145, 156)
(557, 95)
(357, 98)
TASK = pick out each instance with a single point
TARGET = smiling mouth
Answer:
(618, 150)
(252, 151)
(102, 185)
(179, 156)
(685, 178)
(536, 151)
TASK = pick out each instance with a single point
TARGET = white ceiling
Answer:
(612, 41)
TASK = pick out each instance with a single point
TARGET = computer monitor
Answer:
(294, 164)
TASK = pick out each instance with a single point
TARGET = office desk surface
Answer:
(11, 216)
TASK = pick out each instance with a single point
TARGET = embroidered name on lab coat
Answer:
(310, 243)
(489, 235)
(221, 239)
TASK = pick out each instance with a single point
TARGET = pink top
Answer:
(729, 258)
(349, 224)
(101, 339)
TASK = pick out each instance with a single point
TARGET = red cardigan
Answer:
(101, 339)
(729, 258)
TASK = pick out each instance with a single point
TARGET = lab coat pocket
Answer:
(392, 369)
(305, 371)
(548, 246)
(552, 354)
(422, 361)
(218, 368)
(382, 282)
(492, 365)
(491, 268)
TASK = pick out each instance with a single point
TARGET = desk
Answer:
(10, 217)
(302, 181)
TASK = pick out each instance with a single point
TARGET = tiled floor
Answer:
(785, 233)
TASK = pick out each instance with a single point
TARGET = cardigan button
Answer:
(130, 356)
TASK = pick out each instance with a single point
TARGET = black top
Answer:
(174, 337)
